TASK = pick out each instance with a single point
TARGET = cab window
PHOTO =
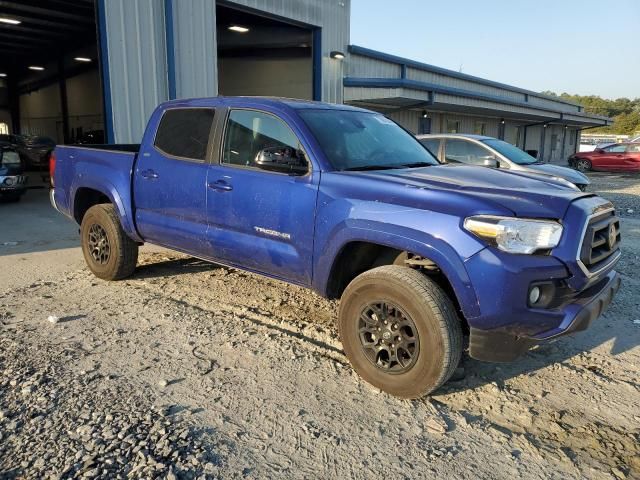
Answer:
(184, 133)
(250, 132)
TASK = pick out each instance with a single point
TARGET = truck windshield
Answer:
(511, 152)
(353, 140)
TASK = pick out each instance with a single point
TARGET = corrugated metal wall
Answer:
(135, 42)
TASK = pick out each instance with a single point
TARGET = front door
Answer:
(169, 182)
(258, 219)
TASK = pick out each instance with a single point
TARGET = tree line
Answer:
(624, 111)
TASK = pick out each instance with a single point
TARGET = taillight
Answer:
(52, 166)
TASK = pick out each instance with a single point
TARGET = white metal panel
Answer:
(366, 67)
(195, 49)
(547, 103)
(137, 64)
(447, 81)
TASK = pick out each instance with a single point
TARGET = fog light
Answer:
(534, 295)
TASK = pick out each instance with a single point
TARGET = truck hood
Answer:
(456, 186)
(563, 172)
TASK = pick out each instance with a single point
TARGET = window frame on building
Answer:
(457, 126)
(483, 127)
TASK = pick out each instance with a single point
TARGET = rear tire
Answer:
(110, 254)
(583, 165)
(411, 347)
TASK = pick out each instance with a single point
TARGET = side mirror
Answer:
(490, 161)
(282, 160)
(598, 150)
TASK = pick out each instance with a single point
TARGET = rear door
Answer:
(632, 160)
(261, 220)
(170, 178)
(612, 158)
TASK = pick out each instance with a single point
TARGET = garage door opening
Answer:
(264, 56)
(50, 70)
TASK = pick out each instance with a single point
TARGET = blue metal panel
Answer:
(171, 55)
(317, 64)
(104, 68)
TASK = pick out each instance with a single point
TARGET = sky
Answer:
(585, 47)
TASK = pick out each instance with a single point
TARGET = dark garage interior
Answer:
(259, 55)
(50, 80)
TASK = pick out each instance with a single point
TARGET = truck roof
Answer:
(293, 103)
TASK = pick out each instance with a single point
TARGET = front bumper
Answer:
(503, 345)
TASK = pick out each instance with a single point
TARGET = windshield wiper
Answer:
(417, 165)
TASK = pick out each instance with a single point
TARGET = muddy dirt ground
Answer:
(194, 370)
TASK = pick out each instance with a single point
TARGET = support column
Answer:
(14, 104)
(543, 136)
(64, 104)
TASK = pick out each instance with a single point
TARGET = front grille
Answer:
(601, 241)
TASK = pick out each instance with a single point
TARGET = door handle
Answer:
(220, 185)
(149, 174)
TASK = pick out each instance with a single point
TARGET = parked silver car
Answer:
(491, 152)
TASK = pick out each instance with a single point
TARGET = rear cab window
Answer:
(184, 133)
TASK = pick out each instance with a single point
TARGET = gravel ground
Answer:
(192, 370)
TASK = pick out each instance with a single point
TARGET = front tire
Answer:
(110, 254)
(400, 331)
(583, 165)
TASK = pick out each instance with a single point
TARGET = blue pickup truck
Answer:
(346, 202)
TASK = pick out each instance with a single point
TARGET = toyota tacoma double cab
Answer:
(346, 202)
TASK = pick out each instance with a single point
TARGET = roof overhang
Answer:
(402, 94)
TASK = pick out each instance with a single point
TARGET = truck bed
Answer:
(103, 168)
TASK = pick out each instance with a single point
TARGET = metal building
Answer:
(143, 52)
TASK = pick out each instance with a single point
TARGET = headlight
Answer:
(515, 235)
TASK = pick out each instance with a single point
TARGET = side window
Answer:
(462, 151)
(184, 132)
(633, 148)
(432, 144)
(615, 148)
(249, 132)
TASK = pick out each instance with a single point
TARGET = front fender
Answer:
(403, 236)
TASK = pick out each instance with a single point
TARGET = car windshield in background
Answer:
(353, 140)
(46, 141)
(9, 157)
(511, 152)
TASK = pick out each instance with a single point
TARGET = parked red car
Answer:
(619, 157)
